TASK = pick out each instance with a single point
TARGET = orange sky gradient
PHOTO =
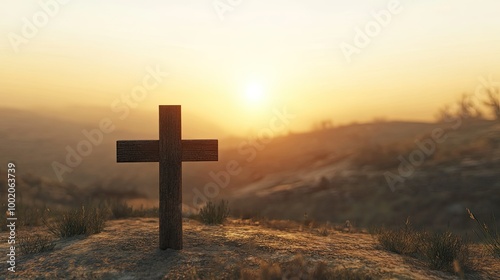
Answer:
(234, 71)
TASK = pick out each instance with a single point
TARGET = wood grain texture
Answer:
(148, 150)
(138, 151)
(170, 151)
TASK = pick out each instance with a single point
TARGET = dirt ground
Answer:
(128, 249)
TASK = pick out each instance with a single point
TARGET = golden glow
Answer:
(407, 72)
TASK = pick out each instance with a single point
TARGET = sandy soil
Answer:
(128, 249)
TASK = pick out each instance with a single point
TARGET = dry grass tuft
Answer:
(212, 214)
(489, 234)
(446, 251)
(441, 251)
(36, 243)
(88, 219)
(120, 209)
(402, 241)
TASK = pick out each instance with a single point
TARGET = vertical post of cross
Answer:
(170, 152)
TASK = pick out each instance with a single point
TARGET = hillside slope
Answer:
(35, 140)
(128, 249)
(332, 174)
(341, 174)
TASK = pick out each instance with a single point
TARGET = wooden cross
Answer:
(170, 151)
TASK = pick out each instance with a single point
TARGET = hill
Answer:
(346, 173)
(128, 249)
(332, 174)
(35, 140)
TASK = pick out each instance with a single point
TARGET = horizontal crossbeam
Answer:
(148, 150)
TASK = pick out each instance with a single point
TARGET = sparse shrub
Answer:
(443, 251)
(30, 215)
(32, 244)
(402, 241)
(84, 220)
(214, 214)
(120, 209)
(490, 235)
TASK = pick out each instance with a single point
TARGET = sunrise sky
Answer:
(234, 67)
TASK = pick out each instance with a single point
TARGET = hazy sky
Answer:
(234, 66)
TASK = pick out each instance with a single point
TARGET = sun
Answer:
(254, 94)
